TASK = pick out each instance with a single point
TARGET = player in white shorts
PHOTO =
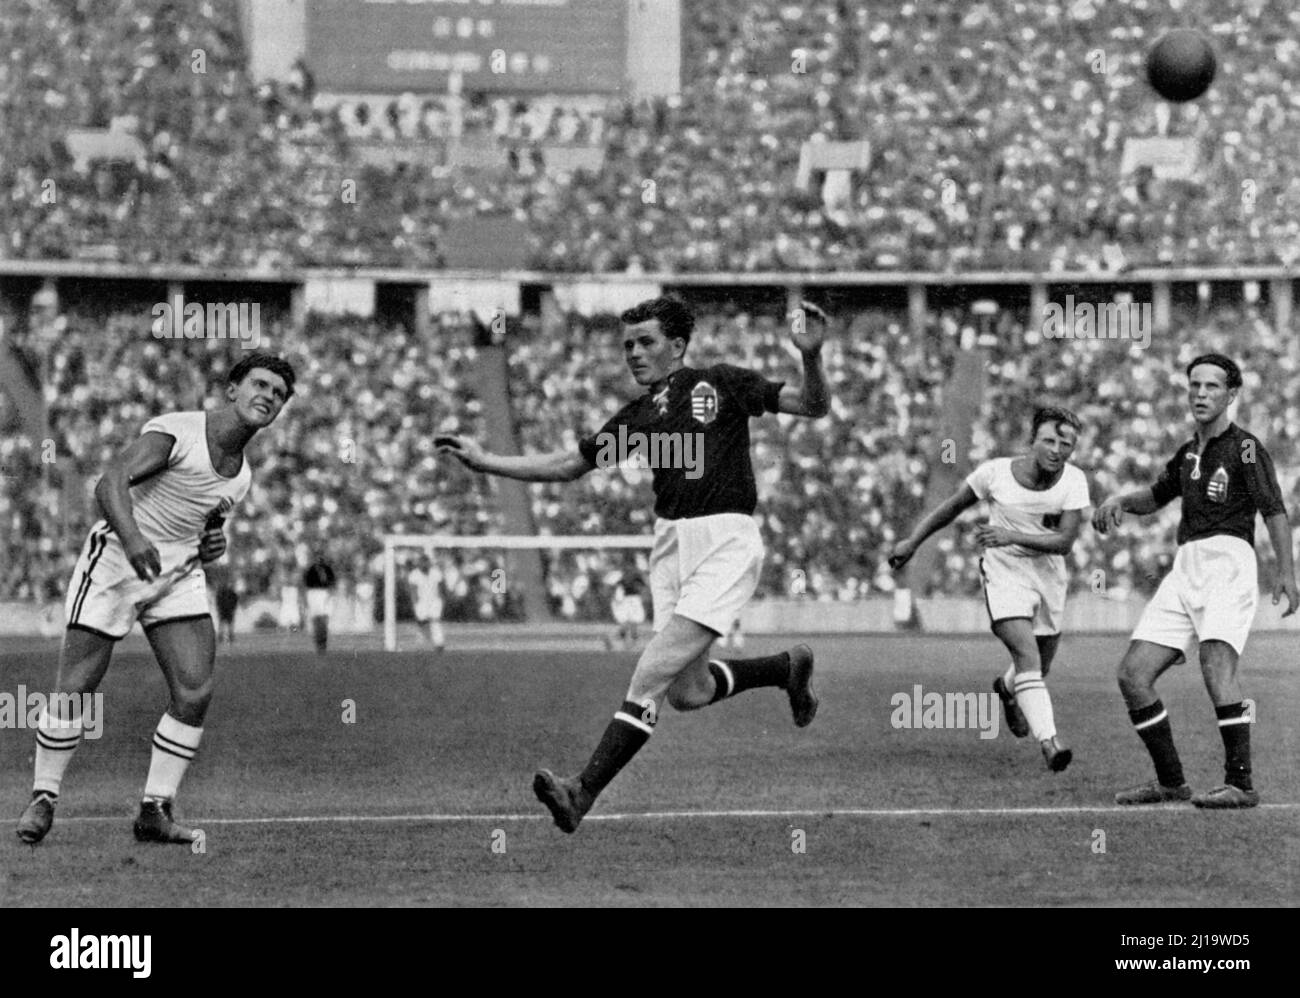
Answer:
(426, 581)
(707, 552)
(628, 610)
(1224, 477)
(1036, 505)
(163, 499)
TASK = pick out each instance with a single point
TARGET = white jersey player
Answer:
(1036, 505)
(426, 583)
(628, 610)
(164, 499)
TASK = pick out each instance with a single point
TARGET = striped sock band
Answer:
(1157, 734)
(1234, 729)
(632, 726)
(175, 745)
(724, 680)
(56, 740)
(740, 674)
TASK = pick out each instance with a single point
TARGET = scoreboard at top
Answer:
(498, 46)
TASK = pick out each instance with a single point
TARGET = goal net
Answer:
(511, 577)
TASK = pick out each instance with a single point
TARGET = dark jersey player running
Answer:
(1224, 476)
(707, 551)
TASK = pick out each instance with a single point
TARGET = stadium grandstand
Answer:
(996, 175)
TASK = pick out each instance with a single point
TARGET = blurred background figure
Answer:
(290, 615)
(318, 582)
(628, 608)
(227, 604)
(426, 596)
(735, 638)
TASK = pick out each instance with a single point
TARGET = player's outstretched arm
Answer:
(558, 466)
(1059, 541)
(1279, 532)
(938, 518)
(146, 456)
(1109, 514)
(812, 398)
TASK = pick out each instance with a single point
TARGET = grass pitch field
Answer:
(426, 798)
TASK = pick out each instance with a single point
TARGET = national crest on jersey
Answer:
(1217, 489)
(704, 403)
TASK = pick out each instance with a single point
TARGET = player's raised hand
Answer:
(1288, 587)
(144, 558)
(212, 543)
(810, 334)
(465, 450)
(901, 554)
(1107, 515)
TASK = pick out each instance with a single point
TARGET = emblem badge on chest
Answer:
(1217, 490)
(704, 403)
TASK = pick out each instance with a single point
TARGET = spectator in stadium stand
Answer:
(318, 582)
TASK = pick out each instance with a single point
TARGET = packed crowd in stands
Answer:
(353, 459)
(996, 130)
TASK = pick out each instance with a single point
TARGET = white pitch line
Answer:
(851, 812)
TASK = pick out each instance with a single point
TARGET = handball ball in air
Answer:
(1181, 65)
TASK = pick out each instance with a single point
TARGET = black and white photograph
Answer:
(652, 454)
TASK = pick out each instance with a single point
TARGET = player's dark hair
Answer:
(675, 319)
(1055, 415)
(267, 362)
(1219, 360)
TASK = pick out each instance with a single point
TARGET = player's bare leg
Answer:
(83, 660)
(186, 652)
(1004, 685)
(320, 632)
(1031, 696)
(1141, 666)
(670, 651)
(1219, 670)
(1047, 645)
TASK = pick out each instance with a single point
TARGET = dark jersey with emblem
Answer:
(1232, 480)
(695, 438)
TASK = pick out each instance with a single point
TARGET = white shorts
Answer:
(1016, 586)
(318, 602)
(704, 568)
(106, 597)
(425, 612)
(1210, 594)
(290, 613)
(629, 610)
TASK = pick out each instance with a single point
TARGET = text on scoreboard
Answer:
(553, 46)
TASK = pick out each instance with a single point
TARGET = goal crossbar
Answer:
(509, 542)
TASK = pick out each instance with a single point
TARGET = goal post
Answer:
(431, 543)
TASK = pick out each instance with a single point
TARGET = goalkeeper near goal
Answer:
(707, 553)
